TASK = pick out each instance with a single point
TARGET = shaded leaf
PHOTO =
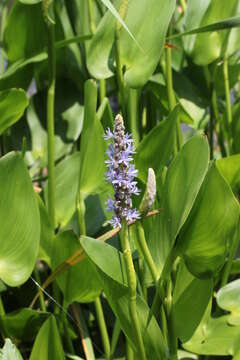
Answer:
(80, 282)
(47, 345)
(13, 102)
(157, 146)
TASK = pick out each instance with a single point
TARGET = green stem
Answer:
(171, 97)
(129, 351)
(172, 339)
(91, 17)
(50, 122)
(102, 84)
(146, 252)
(72, 40)
(232, 253)
(119, 72)
(67, 336)
(183, 5)
(228, 101)
(81, 208)
(103, 328)
(219, 128)
(132, 285)
(133, 114)
(41, 296)
(2, 313)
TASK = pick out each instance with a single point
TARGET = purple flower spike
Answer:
(121, 174)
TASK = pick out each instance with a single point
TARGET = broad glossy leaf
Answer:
(80, 282)
(23, 324)
(183, 181)
(190, 299)
(157, 146)
(92, 144)
(10, 352)
(208, 47)
(118, 17)
(210, 227)
(215, 337)
(23, 42)
(229, 167)
(117, 295)
(13, 102)
(228, 298)
(148, 23)
(20, 224)
(47, 345)
(194, 13)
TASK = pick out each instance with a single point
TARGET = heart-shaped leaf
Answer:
(208, 232)
(20, 222)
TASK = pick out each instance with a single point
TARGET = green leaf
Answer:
(208, 47)
(13, 102)
(24, 41)
(228, 298)
(114, 12)
(208, 232)
(23, 324)
(229, 167)
(10, 352)
(148, 23)
(80, 282)
(20, 229)
(214, 336)
(190, 299)
(47, 345)
(109, 262)
(92, 144)
(183, 181)
(156, 147)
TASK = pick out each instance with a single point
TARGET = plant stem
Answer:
(103, 328)
(102, 84)
(41, 296)
(171, 96)
(50, 121)
(132, 285)
(145, 251)
(119, 72)
(133, 114)
(172, 339)
(97, 303)
(228, 100)
(219, 128)
(183, 5)
(129, 351)
(91, 16)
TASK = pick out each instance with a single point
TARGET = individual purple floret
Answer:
(121, 174)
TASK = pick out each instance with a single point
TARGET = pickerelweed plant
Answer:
(171, 68)
(121, 174)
